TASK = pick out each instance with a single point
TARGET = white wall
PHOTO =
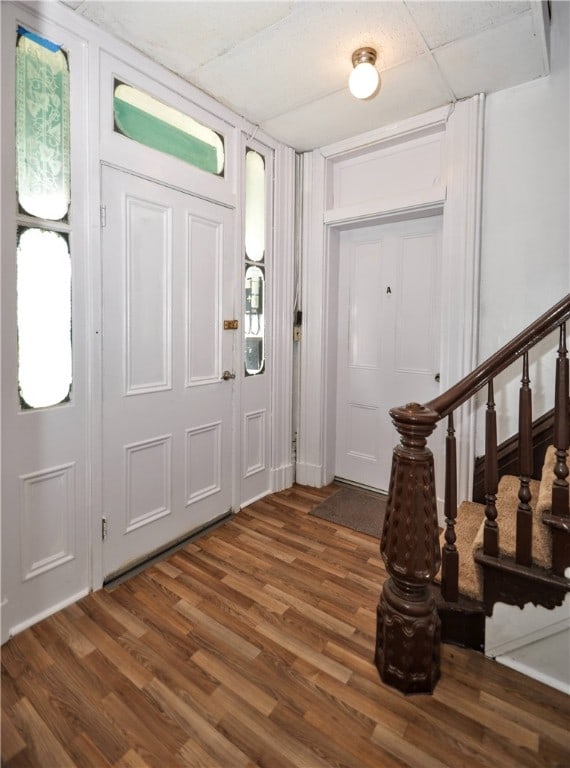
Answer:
(525, 263)
(535, 641)
(525, 220)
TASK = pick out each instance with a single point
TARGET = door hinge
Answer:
(104, 529)
(103, 215)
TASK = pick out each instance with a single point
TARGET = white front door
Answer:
(168, 284)
(388, 339)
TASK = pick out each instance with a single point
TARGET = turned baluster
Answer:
(560, 485)
(449, 555)
(559, 518)
(408, 626)
(524, 512)
(491, 530)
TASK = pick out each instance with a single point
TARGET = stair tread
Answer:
(470, 517)
(469, 528)
(507, 505)
(470, 525)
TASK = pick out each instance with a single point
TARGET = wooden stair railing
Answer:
(408, 627)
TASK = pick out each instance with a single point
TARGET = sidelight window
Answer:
(43, 191)
(42, 127)
(255, 217)
(44, 317)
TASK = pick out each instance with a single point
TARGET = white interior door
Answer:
(167, 412)
(388, 339)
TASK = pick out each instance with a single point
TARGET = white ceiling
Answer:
(285, 65)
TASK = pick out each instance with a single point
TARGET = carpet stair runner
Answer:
(470, 524)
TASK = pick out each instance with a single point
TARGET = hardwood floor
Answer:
(253, 646)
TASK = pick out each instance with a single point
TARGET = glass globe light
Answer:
(364, 78)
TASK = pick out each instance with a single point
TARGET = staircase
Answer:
(482, 583)
(514, 548)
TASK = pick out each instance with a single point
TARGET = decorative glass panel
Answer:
(254, 326)
(42, 127)
(254, 206)
(150, 122)
(44, 318)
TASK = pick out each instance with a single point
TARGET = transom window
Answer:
(150, 122)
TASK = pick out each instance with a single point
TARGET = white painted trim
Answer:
(282, 321)
(541, 23)
(415, 203)
(401, 131)
(95, 327)
(460, 267)
(4, 632)
(460, 250)
(310, 442)
(310, 474)
(253, 499)
(282, 477)
(17, 628)
(519, 666)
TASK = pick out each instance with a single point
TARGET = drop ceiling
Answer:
(285, 65)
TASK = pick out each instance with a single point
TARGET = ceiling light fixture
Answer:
(364, 79)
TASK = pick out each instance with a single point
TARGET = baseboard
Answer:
(5, 635)
(541, 677)
(259, 496)
(309, 474)
(17, 628)
(517, 643)
(533, 641)
(282, 477)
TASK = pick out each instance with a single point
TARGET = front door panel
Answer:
(167, 412)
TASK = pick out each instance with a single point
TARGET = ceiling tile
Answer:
(307, 55)
(406, 90)
(285, 63)
(498, 58)
(445, 21)
(185, 35)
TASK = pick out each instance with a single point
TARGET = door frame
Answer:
(459, 200)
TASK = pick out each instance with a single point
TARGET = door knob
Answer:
(227, 375)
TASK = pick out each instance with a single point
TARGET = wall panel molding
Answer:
(203, 459)
(47, 520)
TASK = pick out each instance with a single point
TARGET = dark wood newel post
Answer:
(408, 626)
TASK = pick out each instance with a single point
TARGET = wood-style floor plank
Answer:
(253, 646)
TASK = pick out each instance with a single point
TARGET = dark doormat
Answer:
(355, 508)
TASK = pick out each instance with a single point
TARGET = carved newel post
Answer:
(408, 626)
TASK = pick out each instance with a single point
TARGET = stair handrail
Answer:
(459, 393)
(408, 630)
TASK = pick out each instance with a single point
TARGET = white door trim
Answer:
(282, 470)
(463, 127)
